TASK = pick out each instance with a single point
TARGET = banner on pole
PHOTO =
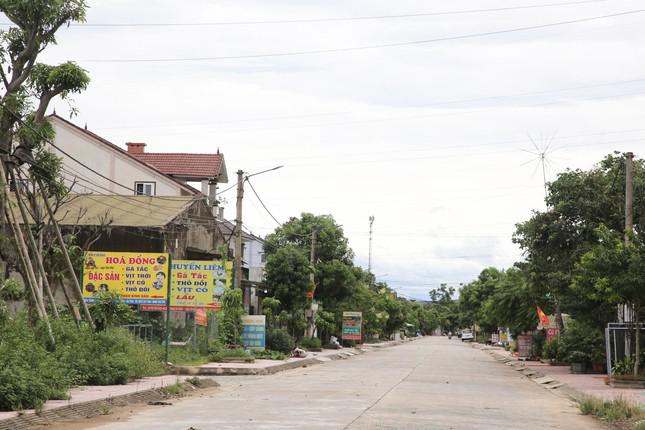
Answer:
(199, 284)
(254, 331)
(139, 278)
(352, 325)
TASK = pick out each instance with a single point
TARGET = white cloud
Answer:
(363, 133)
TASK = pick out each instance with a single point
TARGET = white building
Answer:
(118, 171)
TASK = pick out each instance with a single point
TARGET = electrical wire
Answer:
(262, 203)
(367, 47)
(418, 106)
(50, 142)
(337, 19)
(420, 116)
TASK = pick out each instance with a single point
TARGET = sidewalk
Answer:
(93, 397)
(91, 393)
(558, 377)
(268, 367)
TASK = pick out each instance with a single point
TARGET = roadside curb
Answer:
(281, 367)
(94, 408)
(543, 380)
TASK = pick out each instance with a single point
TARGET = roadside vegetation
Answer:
(619, 413)
(32, 370)
(577, 263)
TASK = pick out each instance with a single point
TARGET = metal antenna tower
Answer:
(541, 157)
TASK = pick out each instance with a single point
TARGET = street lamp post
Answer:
(237, 272)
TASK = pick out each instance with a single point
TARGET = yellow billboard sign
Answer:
(139, 278)
(198, 284)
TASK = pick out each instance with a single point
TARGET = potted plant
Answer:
(551, 350)
(578, 361)
(623, 375)
(598, 360)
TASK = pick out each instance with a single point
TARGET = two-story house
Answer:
(143, 208)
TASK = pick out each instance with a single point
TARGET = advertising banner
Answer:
(524, 345)
(198, 284)
(139, 278)
(352, 325)
(254, 331)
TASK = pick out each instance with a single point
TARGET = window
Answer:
(263, 258)
(145, 188)
(20, 184)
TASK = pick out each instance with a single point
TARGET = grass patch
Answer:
(229, 353)
(267, 354)
(618, 411)
(194, 381)
(174, 389)
(182, 355)
(310, 343)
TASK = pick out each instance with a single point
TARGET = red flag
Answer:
(544, 320)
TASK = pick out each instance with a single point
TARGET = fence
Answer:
(619, 340)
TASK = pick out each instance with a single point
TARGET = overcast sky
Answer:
(429, 138)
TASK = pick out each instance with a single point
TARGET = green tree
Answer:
(287, 274)
(512, 304)
(473, 296)
(334, 273)
(579, 202)
(29, 87)
(445, 309)
(614, 271)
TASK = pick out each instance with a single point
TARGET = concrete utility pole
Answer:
(238, 231)
(309, 313)
(369, 258)
(625, 310)
(629, 194)
(237, 263)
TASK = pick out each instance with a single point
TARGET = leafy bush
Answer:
(29, 374)
(109, 311)
(310, 343)
(583, 338)
(230, 320)
(32, 371)
(228, 353)
(537, 347)
(578, 357)
(269, 355)
(110, 357)
(552, 349)
(624, 366)
(280, 340)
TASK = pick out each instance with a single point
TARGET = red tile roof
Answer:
(122, 151)
(184, 165)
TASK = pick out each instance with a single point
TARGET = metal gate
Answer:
(618, 340)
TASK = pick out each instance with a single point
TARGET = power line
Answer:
(418, 106)
(367, 47)
(50, 142)
(337, 19)
(426, 115)
(262, 203)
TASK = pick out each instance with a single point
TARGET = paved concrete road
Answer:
(432, 383)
